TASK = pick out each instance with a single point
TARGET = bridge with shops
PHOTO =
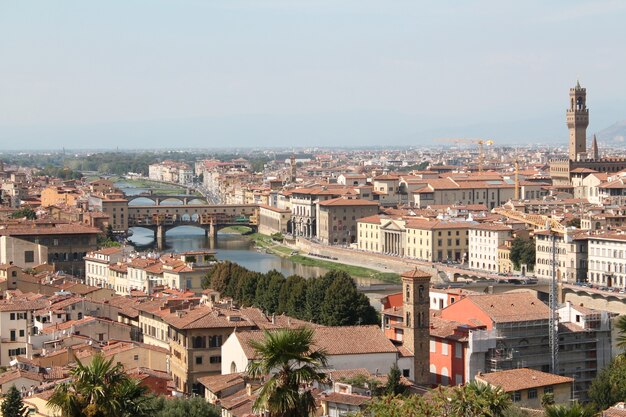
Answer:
(161, 218)
(168, 199)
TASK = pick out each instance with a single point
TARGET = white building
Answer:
(347, 347)
(484, 240)
(571, 255)
(97, 266)
(16, 326)
(607, 261)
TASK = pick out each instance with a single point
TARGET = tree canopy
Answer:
(523, 252)
(331, 300)
(100, 389)
(12, 406)
(288, 356)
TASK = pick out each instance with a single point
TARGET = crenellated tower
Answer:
(577, 122)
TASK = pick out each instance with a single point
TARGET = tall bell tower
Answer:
(416, 335)
(577, 122)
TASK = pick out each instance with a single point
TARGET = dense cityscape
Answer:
(279, 208)
(463, 265)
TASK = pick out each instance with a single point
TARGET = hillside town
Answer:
(499, 267)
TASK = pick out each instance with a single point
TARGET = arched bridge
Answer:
(211, 218)
(167, 199)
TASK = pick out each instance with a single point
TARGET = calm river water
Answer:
(230, 247)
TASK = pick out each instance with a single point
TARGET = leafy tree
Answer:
(470, 400)
(25, 212)
(289, 357)
(609, 386)
(575, 222)
(523, 252)
(343, 305)
(100, 389)
(330, 300)
(12, 406)
(271, 298)
(547, 399)
(297, 298)
(109, 232)
(181, 407)
(394, 384)
(315, 296)
(573, 410)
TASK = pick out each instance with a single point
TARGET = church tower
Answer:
(292, 166)
(595, 154)
(577, 122)
(416, 337)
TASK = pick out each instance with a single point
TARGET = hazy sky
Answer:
(201, 73)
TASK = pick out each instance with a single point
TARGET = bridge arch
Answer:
(141, 201)
(171, 201)
(196, 201)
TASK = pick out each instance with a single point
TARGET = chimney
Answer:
(248, 389)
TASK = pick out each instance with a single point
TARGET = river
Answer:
(229, 247)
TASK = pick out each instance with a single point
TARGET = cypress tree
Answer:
(12, 406)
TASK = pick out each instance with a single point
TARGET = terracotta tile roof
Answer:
(618, 410)
(416, 273)
(66, 325)
(491, 227)
(341, 202)
(522, 378)
(510, 307)
(339, 340)
(437, 224)
(55, 229)
(350, 399)
(118, 346)
(22, 305)
(18, 373)
(218, 383)
(202, 317)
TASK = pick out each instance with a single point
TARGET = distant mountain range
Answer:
(614, 133)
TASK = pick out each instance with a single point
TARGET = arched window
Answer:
(421, 292)
(233, 368)
(408, 292)
(408, 319)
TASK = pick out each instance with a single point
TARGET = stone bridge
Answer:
(166, 199)
(212, 218)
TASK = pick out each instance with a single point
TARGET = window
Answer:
(458, 350)
(406, 373)
(29, 256)
(198, 360)
(532, 393)
(100, 337)
(13, 338)
(433, 346)
(444, 348)
(12, 316)
(547, 390)
(215, 359)
(136, 357)
(516, 396)
(21, 333)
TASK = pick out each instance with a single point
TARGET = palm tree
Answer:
(574, 410)
(287, 355)
(620, 325)
(99, 389)
(496, 400)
